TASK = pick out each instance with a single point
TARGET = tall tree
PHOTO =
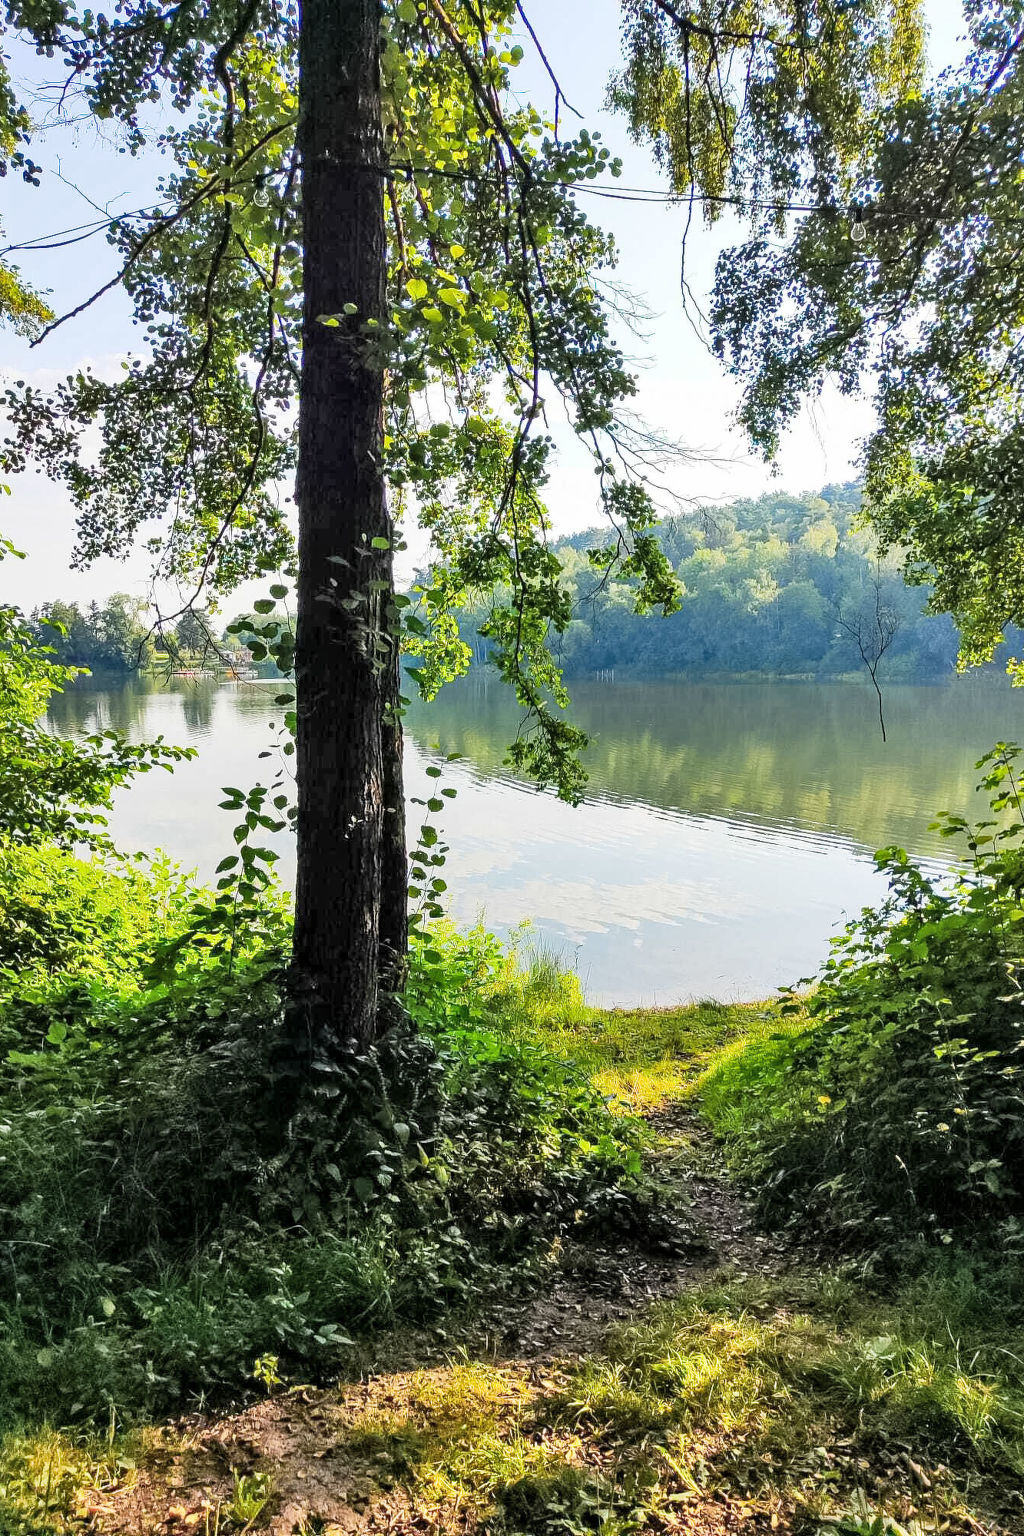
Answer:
(418, 250)
(343, 653)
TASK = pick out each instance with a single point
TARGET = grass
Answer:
(459, 1435)
(801, 1396)
(49, 1478)
(746, 1071)
(642, 1057)
(793, 1402)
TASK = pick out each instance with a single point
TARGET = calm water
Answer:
(727, 831)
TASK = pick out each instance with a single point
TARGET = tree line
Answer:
(123, 635)
(781, 585)
(778, 586)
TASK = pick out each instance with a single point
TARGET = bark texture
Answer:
(346, 749)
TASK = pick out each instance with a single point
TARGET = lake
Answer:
(728, 827)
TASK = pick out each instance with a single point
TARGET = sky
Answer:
(683, 391)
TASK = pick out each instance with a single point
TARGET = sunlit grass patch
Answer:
(642, 1058)
(49, 1478)
(462, 1435)
(690, 1363)
(798, 1390)
(642, 1090)
(645, 1055)
(464, 1392)
(743, 1078)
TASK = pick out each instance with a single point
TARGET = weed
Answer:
(569, 1502)
(776, 1367)
(252, 1491)
(49, 1477)
(860, 1518)
(265, 1371)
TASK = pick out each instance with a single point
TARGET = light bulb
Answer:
(261, 197)
(858, 230)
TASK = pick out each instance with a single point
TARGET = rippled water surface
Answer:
(728, 827)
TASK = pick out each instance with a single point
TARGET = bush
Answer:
(89, 918)
(160, 1232)
(897, 1108)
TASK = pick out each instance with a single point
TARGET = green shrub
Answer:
(162, 1229)
(86, 918)
(896, 1109)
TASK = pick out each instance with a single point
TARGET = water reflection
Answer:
(784, 755)
(727, 830)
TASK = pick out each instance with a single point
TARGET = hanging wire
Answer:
(891, 213)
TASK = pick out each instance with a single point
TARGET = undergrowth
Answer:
(159, 1235)
(885, 1109)
(797, 1403)
(812, 1394)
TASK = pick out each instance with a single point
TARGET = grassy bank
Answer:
(813, 1398)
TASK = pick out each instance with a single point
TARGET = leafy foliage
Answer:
(496, 297)
(757, 104)
(89, 920)
(20, 307)
(163, 1240)
(900, 203)
(781, 585)
(896, 1112)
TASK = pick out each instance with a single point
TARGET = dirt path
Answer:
(711, 1227)
(515, 1422)
(328, 1455)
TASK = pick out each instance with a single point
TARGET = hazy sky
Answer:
(683, 391)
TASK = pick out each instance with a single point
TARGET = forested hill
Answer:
(778, 585)
(782, 585)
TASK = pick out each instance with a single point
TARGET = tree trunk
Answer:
(344, 658)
